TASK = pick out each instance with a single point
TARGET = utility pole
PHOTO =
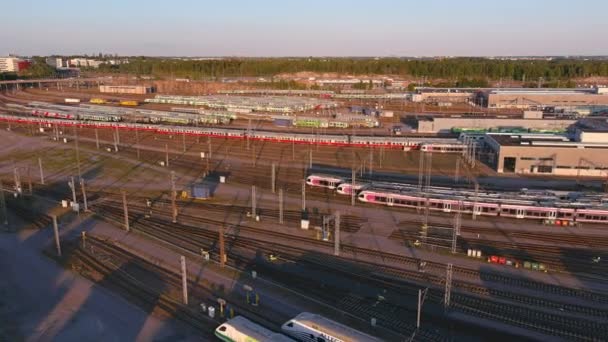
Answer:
(456, 228)
(173, 197)
(137, 142)
(126, 210)
(253, 202)
(352, 189)
(77, 152)
(115, 141)
(221, 243)
(56, 233)
(17, 177)
(371, 161)
(73, 188)
(166, 155)
(337, 233)
(117, 136)
(182, 260)
(3, 204)
(84, 195)
(248, 132)
(41, 171)
(96, 138)
(273, 177)
(281, 206)
(209, 149)
(184, 141)
(420, 170)
(457, 170)
(304, 195)
(448, 286)
(421, 298)
(29, 181)
(310, 159)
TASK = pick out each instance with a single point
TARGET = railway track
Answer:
(424, 278)
(98, 261)
(556, 258)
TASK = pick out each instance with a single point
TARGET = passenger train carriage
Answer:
(525, 204)
(403, 143)
(485, 206)
(324, 181)
(309, 327)
(240, 329)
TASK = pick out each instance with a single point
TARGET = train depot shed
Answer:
(584, 153)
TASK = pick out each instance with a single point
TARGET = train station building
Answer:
(583, 153)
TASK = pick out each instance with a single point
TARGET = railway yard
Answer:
(237, 226)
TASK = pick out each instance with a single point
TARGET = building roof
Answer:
(597, 125)
(546, 141)
(542, 91)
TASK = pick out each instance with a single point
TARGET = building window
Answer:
(509, 164)
(527, 158)
(544, 169)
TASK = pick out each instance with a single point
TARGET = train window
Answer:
(290, 324)
(222, 328)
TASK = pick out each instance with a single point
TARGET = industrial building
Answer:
(545, 98)
(532, 121)
(444, 95)
(584, 152)
(134, 89)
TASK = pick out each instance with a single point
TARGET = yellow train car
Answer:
(129, 103)
(98, 101)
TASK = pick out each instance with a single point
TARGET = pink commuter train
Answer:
(408, 196)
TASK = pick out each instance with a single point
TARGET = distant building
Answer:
(350, 82)
(85, 63)
(57, 62)
(13, 64)
(545, 98)
(136, 89)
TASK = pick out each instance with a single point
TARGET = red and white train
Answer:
(434, 145)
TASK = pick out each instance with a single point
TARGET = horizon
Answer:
(389, 28)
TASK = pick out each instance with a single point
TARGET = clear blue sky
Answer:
(305, 27)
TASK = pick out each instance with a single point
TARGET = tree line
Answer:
(453, 69)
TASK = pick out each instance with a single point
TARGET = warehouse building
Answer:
(531, 121)
(136, 89)
(545, 98)
(584, 153)
(444, 95)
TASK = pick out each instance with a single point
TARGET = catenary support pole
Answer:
(126, 210)
(56, 233)
(41, 171)
(184, 280)
(84, 195)
(281, 206)
(222, 251)
(3, 204)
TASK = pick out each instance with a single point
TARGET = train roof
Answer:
(332, 328)
(253, 330)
